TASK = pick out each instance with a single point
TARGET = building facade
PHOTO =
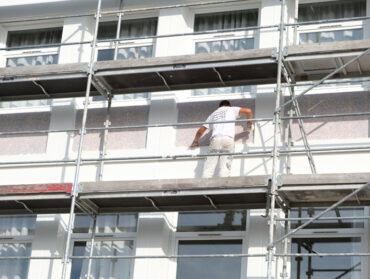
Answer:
(151, 245)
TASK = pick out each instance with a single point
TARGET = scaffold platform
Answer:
(192, 194)
(205, 70)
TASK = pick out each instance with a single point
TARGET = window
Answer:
(115, 236)
(329, 224)
(137, 30)
(243, 40)
(38, 39)
(32, 60)
(205, 233)
(209, 268)
(326, 267)
(16, 234)
(126, 53)
(330, 236)
(331, 32)
(103, 268)
(215, 221)
(331, 36)
(34, 37)
(331, 10)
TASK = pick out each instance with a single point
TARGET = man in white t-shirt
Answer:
(222, 138)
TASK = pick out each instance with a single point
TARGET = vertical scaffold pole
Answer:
(105, 139)
(284, 274)
(270, 249)
(92, 244)
(79, 154)
(118, 31)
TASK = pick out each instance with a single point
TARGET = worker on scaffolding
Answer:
(222, 138)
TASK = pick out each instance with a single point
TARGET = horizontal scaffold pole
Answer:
(191, 256)
(265, 153)
(186, 124)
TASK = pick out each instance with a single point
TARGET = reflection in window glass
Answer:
(327, 224)
(14, 268)
(331, 36)
(331, 10)
(225, 20)
(214, 221)
(224, 45)
(17, 225)
(28, 103)
(326, 267)
(126, 53)
(209, 268)
(32, 60)
(115, 223)
(103, 268)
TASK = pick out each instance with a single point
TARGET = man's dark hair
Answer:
(225, 103)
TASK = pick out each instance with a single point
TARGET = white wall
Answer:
(155, 231)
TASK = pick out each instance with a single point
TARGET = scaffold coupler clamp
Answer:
(275, 52)
(270, 254)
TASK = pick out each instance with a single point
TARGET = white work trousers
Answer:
(219, 144)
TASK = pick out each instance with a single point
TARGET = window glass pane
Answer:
(214, 221)
(32, 60)
(82, 224)
(17, 225)
(116, 223)
(126, 53)
(14, 268)
(326, 267)
(331, 10)
(103, 268)
(105, 54)
(209, 268)
(319, 224)
(331, 36)
(224, 45)
(225, 20)
(135, 28)
(28, 103)
(34, 37)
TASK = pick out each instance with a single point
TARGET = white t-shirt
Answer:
(223, 114)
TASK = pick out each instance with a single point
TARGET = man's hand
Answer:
(198, 135)
(194, 144)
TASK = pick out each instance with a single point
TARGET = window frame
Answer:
(337, 233)
(116, 236)
(101, 239)
(226, 35)
(212, 235)
(126, 43)
(329, 26)
(20, 239)
(41, 51)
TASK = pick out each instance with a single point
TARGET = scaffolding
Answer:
(270, 191)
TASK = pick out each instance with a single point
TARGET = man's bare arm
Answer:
(198, 135)
(248, 112)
